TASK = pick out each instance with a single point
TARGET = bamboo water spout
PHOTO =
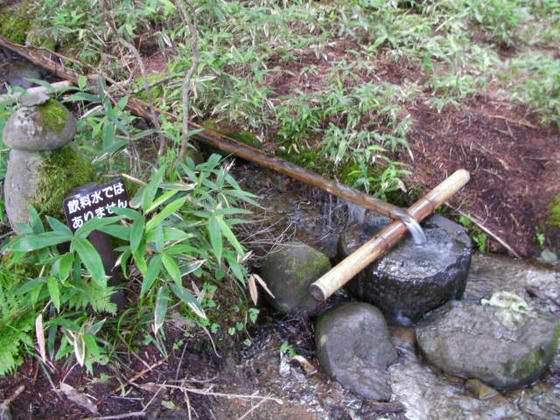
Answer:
(344, 271)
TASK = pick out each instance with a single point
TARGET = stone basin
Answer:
(411, 279)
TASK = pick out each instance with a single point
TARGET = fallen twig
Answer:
(210, 393)
(137, 376)
(5, 405)
(487, 231)
(516, 122)
(120, 416)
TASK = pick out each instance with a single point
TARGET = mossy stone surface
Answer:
(288, 271)
(14, 23)
(45, 126)
(42, 180)
(504, 348)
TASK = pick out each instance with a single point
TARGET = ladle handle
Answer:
(344, 271)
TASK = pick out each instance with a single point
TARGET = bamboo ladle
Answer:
(344, 271)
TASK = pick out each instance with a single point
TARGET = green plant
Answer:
(288, 349)
(182, 230)
(478, 236)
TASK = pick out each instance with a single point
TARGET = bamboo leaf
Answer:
(154, 269)
(126, 212)
(167, 211)
(65, 268)
(54, 291)
(162, 301)
(136, 233)
(215, 237)
(38, 241)
(229, 235)
(117, 231)
(160, 200)
(58, 226)
(151, 189)
(91, 259)
(172, 268)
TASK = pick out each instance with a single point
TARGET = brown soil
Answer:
(514, 166)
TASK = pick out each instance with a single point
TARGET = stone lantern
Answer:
(43, 164)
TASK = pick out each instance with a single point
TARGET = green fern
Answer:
(16, 325)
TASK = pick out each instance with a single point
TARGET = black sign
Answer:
(93, 200)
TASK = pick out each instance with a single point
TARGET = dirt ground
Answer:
(514, 166)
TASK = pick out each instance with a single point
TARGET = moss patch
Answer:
(554, 212)
(14, 24)
(60, 171)
(53, 115)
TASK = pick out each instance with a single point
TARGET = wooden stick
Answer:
(224, 143)
(343, 272)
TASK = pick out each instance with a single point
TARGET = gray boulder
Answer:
(353, 347)
(41, 126)
(411, 279)
(503, 347)
(289, 270)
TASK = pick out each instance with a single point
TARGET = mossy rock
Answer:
(288, 271)
(552, 224)
(15, 23)
(45, 126)
(503, 347)
(42, 180)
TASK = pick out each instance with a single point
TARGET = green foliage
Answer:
(16, 320)
(478, 236)
(182, 230)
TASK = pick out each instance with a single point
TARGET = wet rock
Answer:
(288, 271)
(43, 126)
(411, 279)
(503, 347)
(353, 347)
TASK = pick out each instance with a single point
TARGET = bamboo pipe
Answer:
(344, 271)
(224, 143)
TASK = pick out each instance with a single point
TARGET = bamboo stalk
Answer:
(344, 271)
(224, 143)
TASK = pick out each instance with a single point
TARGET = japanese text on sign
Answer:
(97, 201)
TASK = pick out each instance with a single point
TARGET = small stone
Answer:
(35, 99)
(480, 389)
(45, 126)
(504, 348)
(353, 347)
(288, 271)
(411, 279)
